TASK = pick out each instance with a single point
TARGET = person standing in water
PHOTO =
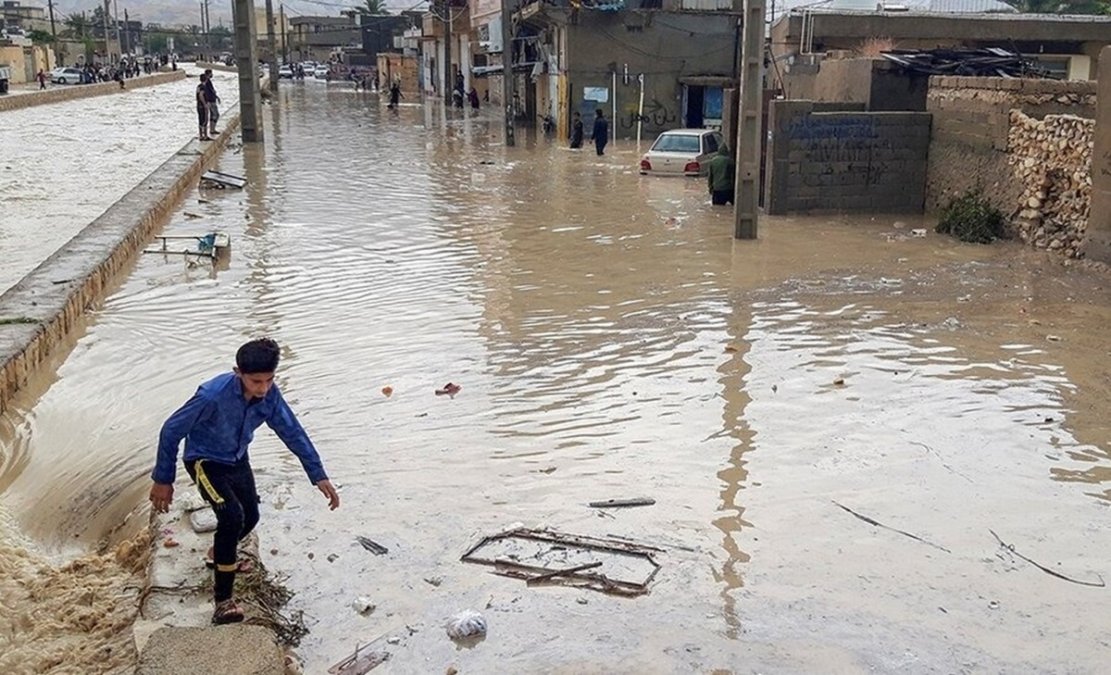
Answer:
(202, 110)
(217, 424)
(395, 94)
(576, 131)
(600, 136)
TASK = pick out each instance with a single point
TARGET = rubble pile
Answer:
(1052, 160)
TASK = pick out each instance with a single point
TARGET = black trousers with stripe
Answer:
(230, 489)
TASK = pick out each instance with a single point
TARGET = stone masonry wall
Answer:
(845, 161)
(1052, 161)
(971, 126)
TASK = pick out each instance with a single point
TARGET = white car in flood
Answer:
(681, 152)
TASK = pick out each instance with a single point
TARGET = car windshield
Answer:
(677, 143)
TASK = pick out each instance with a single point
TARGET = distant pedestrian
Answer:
(395, 95)
(472, 96)
(212, 100)
(459, 92)
(202, 111)
(601, 133)
(576, 131)
(41, 78)
(721, 177)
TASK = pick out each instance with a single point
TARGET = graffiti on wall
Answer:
(656, 114)
(832, 127)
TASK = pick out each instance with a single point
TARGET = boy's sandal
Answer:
(242, 566)
(227, 612)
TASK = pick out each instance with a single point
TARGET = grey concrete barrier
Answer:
(76, 91)
(38, 313)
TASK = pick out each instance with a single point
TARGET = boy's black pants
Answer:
(230, 489)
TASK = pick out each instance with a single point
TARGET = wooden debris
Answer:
(622, 503)
(875, 523)
(372, 546)
(541, 578)
(1011, 549)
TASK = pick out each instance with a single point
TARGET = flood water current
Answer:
(612, 340)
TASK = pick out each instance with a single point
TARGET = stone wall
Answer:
(845, 161)
(1052, 160)
(74, 91)
(971, 127)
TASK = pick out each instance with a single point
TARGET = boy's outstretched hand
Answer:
(325, 486)
(161, 496)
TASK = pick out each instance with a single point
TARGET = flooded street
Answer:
(611, 340)
(65, 163)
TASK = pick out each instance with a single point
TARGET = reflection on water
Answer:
(611, 340)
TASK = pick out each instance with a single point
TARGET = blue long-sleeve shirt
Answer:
(219, 422)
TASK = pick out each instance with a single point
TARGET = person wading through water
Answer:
(721, 177)
(218, 424)
(577, 132)
(202, 111)
(601, 134)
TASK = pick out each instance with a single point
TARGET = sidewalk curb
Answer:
(79, 91)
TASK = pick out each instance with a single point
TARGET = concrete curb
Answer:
(77, 91)
(38, 312)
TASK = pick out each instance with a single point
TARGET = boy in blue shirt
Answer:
(218, 424)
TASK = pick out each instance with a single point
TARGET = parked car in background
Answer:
(62, 75)
(321, 73)
(681, 152)
(285, 72)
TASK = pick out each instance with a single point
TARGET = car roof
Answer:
(687, 132)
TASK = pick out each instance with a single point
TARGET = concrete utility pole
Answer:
(1097, 244)
(746, 207)
(270, 44)
(285, 47)
(107, 35)
(54, 35)
(449, 81)
(250, 98)
(507, 71)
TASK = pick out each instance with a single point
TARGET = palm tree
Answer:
(373, 8)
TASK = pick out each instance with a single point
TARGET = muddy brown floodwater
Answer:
(611, 340)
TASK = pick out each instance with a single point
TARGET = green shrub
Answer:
(971, 218)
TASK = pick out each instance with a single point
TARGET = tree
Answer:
(373, 8)
(77, 25)
(1061, 6)
(40, 37)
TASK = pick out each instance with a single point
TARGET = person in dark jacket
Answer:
(395, 95)
(217, 424)
(721, 177)
(577, 131)
(212, 101)
(601, 133)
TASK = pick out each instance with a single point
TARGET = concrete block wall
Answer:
(845, 161)
(70, 92)
(971, 126)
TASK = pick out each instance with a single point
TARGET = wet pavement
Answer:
(611, 340)
(65, 163)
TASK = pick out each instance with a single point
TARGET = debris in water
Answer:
(359, 664)
(541, 578)
(1011, 549)
(434, 581)
(549, 469)
(839, 381)
(468, 623)
(171, 543)
(731, 348)
(387, 391)
(633, 565)
(619, 503)
(1053, 338)
(372, 546)
(363, 605)
(918, 232)
(449, 389)
(187, 214)
(332, 557)
(876, 523)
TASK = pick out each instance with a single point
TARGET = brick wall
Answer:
(971, 123)
(845, 161)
